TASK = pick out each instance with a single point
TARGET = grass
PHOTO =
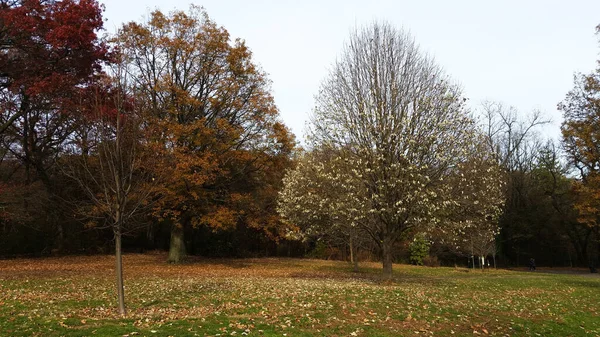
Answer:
(75, 296)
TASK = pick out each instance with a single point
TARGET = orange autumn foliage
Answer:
(581, 139)
(212, 123)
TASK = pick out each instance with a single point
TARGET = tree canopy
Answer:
(399, 130)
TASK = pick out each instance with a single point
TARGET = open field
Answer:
(74, 296)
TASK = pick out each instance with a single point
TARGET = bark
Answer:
(119, 269)
(353, 258)
(177, 251)
(150, 237)
(351, 246)
(60, 236)
(54, 217)
(4, 126)
(387, 259)
(580, 244)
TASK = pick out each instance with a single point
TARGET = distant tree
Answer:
(391, 115)
(213, 119)
(554, 190)
(509, 137)
(581, 134)
(478, 196)
(513, 140)
(580, 138)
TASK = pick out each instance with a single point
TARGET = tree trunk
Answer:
(177, 247)
(472, 257)
(60, 236)
(387, 259)
(119, 268)
(353, 258)
(150, 244)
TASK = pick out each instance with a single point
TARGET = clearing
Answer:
(75, 296)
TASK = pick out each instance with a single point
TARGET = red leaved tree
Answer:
(49, 53)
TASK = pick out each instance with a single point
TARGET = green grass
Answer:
(74, 296)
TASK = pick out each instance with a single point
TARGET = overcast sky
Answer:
(520, 53)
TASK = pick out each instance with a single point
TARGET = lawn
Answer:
(74, 296)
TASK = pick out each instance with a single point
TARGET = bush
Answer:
(323, 251)
(431, 261)
(419, 250)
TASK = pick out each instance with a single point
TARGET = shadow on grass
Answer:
(580, 282)
(199, 261)
(371, 275)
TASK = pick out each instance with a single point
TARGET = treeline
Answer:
(164, 135)
(397, 164)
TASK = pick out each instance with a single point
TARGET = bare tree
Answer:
(509, 137)
(399, 124)
(111, 171)
(513, 139)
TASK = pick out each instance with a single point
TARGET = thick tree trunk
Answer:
(177, 251)
(119, 269)
(387, 259)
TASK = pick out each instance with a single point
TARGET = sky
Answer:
(520, 53)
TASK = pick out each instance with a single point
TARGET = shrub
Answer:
(419, 249)
(431, 261)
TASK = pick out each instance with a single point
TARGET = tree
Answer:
(477, 192)
(581, 131)
(321, 197)
(49, 54)
(555, 193)
(510, 138)
(513, 141)
(212, 117)
(49, 49)
(113, 171)
(393, 117)
(419, 249)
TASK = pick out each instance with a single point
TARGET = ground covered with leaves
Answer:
(75, 296)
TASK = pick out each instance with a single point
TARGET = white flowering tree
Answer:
(477, 192)
(320, 196)
(400, 128)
